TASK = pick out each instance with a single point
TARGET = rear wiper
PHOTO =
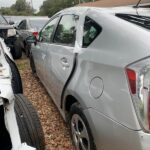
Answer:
(137, 5)
(142, 21)
(141, 6)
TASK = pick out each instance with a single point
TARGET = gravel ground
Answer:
(56, 132)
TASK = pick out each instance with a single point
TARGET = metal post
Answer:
(32, 6)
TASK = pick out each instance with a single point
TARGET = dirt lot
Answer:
(56, 133)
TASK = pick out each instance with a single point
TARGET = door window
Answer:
(66, 30)
(91, 31)
(46, 33)
(22, 25)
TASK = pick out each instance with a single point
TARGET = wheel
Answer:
(27, 49)
(16, 50)
(80, 130)
(29, 125)
(16, 78)
(5, 141)
(32, 65)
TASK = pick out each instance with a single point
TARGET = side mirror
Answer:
(31, 40)
(11, 22)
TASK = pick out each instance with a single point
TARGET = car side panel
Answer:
(57, 73)
(39, 55)
(110, 135)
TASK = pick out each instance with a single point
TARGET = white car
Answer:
(17, 115)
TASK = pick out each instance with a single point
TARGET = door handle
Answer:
(64, 62)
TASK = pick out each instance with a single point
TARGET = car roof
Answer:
(113, 3)
(111, 10)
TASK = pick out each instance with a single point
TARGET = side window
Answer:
(22, 25)
(66, 30)
(46, 33)
(91, 31)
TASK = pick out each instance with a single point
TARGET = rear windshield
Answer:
(142, 21)
(38, 24)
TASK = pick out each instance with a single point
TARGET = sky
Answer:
(7, 3)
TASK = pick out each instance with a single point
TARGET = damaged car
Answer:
(95, 64)
(10, 36)
(20, 128)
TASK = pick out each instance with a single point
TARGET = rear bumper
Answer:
(110, 135)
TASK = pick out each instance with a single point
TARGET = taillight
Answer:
(132, 80)
(138, 75)
(35, 34)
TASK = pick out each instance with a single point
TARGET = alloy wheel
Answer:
(80, 133)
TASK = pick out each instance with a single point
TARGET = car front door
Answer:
(39, 51)
(60, 56)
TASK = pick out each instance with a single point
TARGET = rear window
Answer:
(142, 21)
(38, 24)
(91, 31)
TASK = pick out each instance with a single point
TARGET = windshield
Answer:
(2, 20)
(142, 21)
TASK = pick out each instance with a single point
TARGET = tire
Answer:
(5, 141)
(29, 125)
(32, 65)
(27, 49)
(78, 123)
(16, 78)
(16, 50)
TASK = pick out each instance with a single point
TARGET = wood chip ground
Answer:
(57, 135)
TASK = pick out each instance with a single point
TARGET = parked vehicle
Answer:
(20, 128)
(8, 33)
(30, 26)
(95, 64)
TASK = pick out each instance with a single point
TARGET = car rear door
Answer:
(60, 56)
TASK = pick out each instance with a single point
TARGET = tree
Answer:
(21, 7)
(50, 7)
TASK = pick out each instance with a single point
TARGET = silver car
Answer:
(95, 64)
(29, 26)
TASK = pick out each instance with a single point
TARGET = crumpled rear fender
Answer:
(6, 91)
(6, 50)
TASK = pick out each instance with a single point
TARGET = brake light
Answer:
(35, 34)
(138, 75)
(132, 80)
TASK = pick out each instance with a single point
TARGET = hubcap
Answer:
(79, 133)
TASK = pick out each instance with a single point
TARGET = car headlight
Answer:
(11, 32)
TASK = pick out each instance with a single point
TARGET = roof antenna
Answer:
(137, 5)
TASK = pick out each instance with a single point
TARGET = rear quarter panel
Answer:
(119, 44)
